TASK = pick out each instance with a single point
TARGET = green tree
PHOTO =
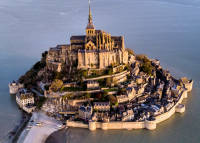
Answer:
(84, 73)
(112, 99)
(108, 81)
(110, 71)
(67, 96)
(88, 95)
(122, 91)
(146, 65)
(56, 85)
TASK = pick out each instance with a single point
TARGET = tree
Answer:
(56, 85)
(112, 99)
(147, 68)
(84, 73)
(108, 81)
(130, 51)
(88, 95)
(67, 96)
(146, 65)
(122, 91)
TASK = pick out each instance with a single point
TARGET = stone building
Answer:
(95, 50)
(85, 112)
(102, 106)
(25, 100)
(24, 97)
(91, 84)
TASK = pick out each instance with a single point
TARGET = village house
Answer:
(91, 84)
(131, 93)
(102, 106)
(71, 84)
(85, 112)
(24, 97)
(128, 115)
(25, 100)
(157, 110)
(122, 98)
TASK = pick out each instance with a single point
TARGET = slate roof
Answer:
(79, 37)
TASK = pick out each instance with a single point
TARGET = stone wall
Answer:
(76, 124)
(116, 76)
(150, 125)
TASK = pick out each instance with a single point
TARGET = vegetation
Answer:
(110, 71)
(68, 96)
(56, 85)
(40, 101)
(88, 95)
(112, 99)
(108, 81)
(130, 51)
(122, 91)
(96, 73)
(111, 89)
(60, 75)
(69, 89)
(146, 65)
(127, 67)
(84, 73)
(102, 82)
(31, 77)
(103, 96)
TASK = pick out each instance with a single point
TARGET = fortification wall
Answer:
(124, 73)
(150, 125)
(168, 114)
(76, 124)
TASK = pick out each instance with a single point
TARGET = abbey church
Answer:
(95, 50)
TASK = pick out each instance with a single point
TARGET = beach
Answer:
(39, 128)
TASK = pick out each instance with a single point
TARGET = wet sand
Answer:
(58, 137)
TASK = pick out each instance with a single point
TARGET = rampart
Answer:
(118, 75)
(150, 125)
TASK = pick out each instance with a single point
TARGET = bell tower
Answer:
(90, 30)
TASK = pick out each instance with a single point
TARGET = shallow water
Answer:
(165, 29)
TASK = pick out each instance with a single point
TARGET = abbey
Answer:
(95, 50)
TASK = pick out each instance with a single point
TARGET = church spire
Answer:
(90, 23)
(90, 14)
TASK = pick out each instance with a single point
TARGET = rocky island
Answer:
(96, 82)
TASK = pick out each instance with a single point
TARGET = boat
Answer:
(14, 87)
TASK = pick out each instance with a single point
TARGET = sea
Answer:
(168, 30)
